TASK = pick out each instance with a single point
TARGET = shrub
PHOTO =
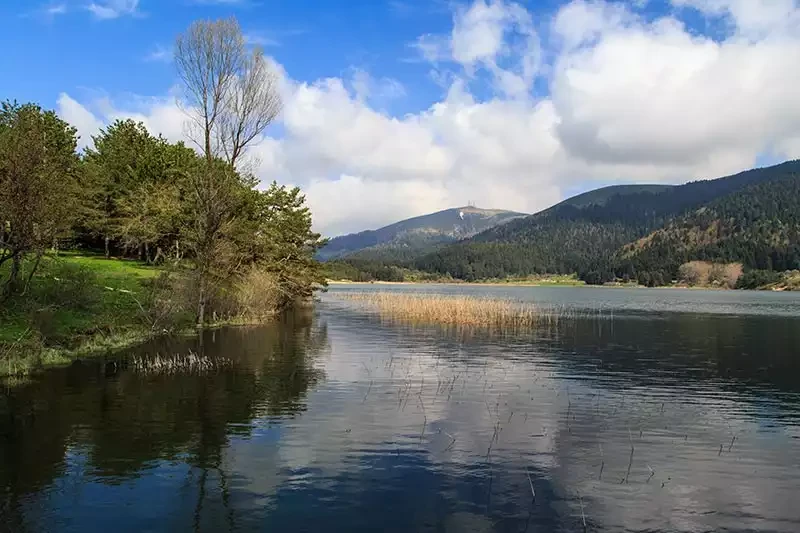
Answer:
(258, 294)
(756, 279)
(695, 273)
(67, 285)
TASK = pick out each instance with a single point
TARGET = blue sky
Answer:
(401, 107)
(77, 51)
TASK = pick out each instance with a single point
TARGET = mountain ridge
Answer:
(417, 234)
(565, 239)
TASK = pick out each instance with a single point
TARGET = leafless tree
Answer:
(230, 95)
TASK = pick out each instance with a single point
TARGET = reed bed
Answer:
(179, 364)
(466, 311)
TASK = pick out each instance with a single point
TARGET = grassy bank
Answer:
(74, 305)
(465, 311)
(79, 305)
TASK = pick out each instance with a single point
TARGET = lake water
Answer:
(644, 410)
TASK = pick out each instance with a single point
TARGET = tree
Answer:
(125, 157)
(38, 167)
(281, 240)
(230, 96)
(215, 200)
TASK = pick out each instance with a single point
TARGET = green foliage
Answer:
(758, 279)
(71, 298)
(134, 184)
(136, 195)
(282, 242)
(756, 213)
(38, 167)
(758, 226)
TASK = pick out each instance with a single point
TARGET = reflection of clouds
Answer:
(416, 381)
(342, 452)
(561, 418)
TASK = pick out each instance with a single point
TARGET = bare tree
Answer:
(230, 95)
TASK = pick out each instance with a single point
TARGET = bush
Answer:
(258, 294)
(756, 279)
(694, 273)
(704, 273)
(66, 285)
(167, 304)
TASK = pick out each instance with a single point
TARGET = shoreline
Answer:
(99, 347)
(546, 284)
(458, 283)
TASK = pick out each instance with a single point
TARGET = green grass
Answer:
(76, 303)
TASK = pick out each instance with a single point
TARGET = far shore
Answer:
(543, 284)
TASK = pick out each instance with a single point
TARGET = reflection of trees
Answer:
(127, 420)
(682, 348)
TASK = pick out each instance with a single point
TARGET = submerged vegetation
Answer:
(440, 309)
(191, 363)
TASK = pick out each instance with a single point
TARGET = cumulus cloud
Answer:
(629, 99)
(80, 118)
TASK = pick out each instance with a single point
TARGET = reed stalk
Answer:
(452, 310)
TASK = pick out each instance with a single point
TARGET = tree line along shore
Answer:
(137, 235)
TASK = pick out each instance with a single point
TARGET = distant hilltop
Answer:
(415, 236)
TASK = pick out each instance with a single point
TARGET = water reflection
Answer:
(104, 424)
(337, 421)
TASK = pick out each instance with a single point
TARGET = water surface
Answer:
(668, 410)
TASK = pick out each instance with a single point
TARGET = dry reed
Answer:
(179, 363)
(450, 310)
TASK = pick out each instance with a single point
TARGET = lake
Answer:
(642, 410)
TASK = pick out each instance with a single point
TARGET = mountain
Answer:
(602, 195)
(593, 234)
(758, 226)
(409, 238)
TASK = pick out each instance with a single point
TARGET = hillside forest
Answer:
(650, 236)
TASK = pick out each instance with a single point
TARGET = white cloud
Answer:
(260, 39)
(111, 9)
(629, 100)
(496, 36)
(752, 18)
(79, 117)
(653, 93)
(159, 54)
(55, 9)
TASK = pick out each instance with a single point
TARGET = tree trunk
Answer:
(108, 249)
(201, 306)
(32, 272)
(9, 287)
(16, 268)
(147, 253)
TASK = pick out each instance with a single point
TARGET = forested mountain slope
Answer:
(758, 226)
(602, 195)
(409, 238)
(589, 239)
